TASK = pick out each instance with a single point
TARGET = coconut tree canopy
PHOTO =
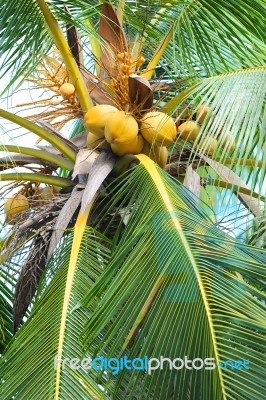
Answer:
(135, 226)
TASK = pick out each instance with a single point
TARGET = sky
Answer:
(11, 133)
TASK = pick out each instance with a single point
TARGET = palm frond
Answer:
(237, 102)
(205, 34)
(171, 289)
(6, 312)
(210, 29)
(42, 329)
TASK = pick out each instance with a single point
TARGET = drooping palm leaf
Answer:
(171, 289)
(42, 330)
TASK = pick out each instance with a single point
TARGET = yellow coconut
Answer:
(67, 90)
(133, 147)
(209, 145)
(159, 154)
(189, 130)
(158, 128)
(93, 141)
(121, 127)
(202, 112)
(140, 60)
(49, 192)
(16, 205)
(228, 142)
(95, 119)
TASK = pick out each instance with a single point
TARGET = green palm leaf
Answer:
(205, 33)
(237, 102)
(152, 275)
(197, 23)
(6, 312)
(42, 330)
(175, 286)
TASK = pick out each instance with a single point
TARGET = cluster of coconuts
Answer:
(125, 66)
(189, 130)
(152, 135)
(17, 204)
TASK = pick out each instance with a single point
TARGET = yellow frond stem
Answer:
(72, 68)
(42, 155)
(144, 310)
(120, 11)
(172, 104)
(249, 162)
(95, 47)
(235, 188)
(38, 178)
(77, 239)
(153, 171)
(158, 54)
(42, 133)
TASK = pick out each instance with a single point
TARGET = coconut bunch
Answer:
(189, 130)
(124, 118)
(18, 205)
(127, 133)
(128, 123)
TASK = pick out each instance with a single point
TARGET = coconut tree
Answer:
(138, 228)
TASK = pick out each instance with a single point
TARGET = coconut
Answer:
(140, 60)
(67, 90)
(94, 141)
(189, 130)
(49, 192)
(158, 127)
(121, 127)
(159, 154)
(202, 112)
(16, 205)
(209, 145)
(133, 147)
(95, 119)
(227, 142)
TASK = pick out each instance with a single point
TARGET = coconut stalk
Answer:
(42, 155)
(38, 178)
(42, 133)
(71, 65)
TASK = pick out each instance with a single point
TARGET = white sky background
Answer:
(12, 134)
